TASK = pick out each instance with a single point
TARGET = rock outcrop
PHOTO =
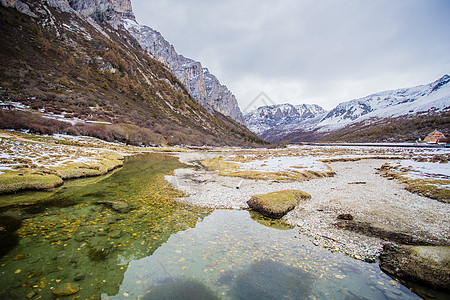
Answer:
(429, 265)
(201, 84)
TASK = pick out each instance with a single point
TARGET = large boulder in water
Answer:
(277, 204)
(429, 265)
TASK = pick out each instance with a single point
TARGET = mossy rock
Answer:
(12, 182)
(429, 265)
(277, 204)
(67, 289)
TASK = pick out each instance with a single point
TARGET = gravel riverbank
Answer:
(382, 209)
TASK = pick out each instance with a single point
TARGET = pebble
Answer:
(67, 289)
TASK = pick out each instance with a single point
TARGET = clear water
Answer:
(163, 250)
(235, 257)
(85, 243)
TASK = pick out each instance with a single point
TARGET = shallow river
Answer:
(163, 250)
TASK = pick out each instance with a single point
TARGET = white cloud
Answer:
(307, 51)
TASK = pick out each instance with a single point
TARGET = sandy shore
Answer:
(383, 210)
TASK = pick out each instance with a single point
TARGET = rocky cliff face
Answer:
(102, 10)
(202, 85)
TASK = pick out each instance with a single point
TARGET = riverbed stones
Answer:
(119, 206)
(276, 204)
(429, 265)
(67, 289)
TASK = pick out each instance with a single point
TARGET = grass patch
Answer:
(11, 182)
(430, 188)
(277, 204)
(78, 170)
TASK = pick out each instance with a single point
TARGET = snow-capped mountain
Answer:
(266, 117)
(409, 102)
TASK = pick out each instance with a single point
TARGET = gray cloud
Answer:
(308, 51)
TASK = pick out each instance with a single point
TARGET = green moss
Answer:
(78, 170)
(11, 182)
(428, 189)
(277, 204)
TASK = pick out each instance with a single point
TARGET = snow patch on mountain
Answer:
(407, 101)
(266, 117)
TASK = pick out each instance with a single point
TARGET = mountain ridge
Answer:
(415, 102)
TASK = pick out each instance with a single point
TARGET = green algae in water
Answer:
(89, 244)
(269, 222)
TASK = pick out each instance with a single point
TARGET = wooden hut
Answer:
(435, 137)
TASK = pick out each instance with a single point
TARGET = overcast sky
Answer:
(308, 51)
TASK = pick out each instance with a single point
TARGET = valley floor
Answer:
(369, 183)
(382, 209)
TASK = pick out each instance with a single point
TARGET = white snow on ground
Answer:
(309, 158)
(284, 164)
(14, 153)
(424, 170)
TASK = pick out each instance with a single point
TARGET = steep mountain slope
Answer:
(75, 58)
(202, 85)
(267, 117)
(372, 118)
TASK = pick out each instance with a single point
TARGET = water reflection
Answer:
(238, 258)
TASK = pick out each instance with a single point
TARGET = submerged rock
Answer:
(428, 265)
(119, 206)
(277, 204)
(8, 233)
(267, 279)
(67, 289)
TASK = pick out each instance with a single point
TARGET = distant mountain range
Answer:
(364, 119)
(91, 60)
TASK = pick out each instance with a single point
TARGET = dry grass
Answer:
(430, 188)
(232, 169)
